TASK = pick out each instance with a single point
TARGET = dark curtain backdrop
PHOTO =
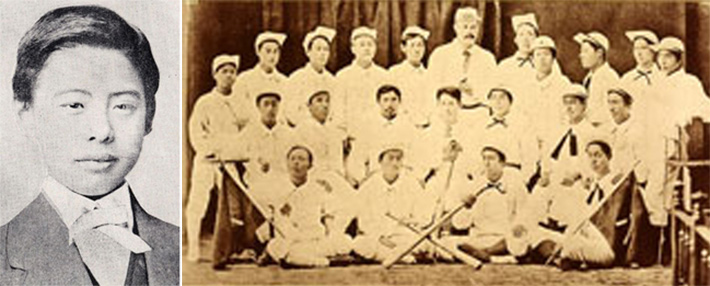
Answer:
(215, 27)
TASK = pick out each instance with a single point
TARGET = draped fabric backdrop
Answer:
(215, 27)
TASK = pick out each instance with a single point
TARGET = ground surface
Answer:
(437, 274)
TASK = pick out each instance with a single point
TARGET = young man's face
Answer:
(619, 110)
(524, 37)
(598, 161)
(588, 56)
(574, 108)
(269, 54)
(499, 103)
(225, 76)
(298, 163)
(414, 49)
(543, 59)
(466, 31)
(268, 108)
(492, 163)
(392, 163)
(448, 106)
(643, 54)
(319, 53)
(88, 116)
(389, 105)
(319, 106)
(364, 48)
(667, 61)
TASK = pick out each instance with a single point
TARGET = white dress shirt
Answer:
(448, 67)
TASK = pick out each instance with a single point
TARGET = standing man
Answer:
(593, 53)
(644, 77)
(314, 75)
(681, 91)
(520, 65)
(463, 63)
(411, 76)
(358, 81)
(212, 122)
(265, 75)
(542, 102)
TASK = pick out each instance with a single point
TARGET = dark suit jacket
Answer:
(34, 248)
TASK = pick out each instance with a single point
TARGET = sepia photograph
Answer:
(89, 142)
(446, 142)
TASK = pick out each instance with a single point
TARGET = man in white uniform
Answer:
(265, 75)
(462, 62)
(302, 219)
(392, 191)
(358, 81)
(387, 125)
(520, 65)
(314, 75)
(644, 76)
(212, 122)
(593, 54)
(411, 76)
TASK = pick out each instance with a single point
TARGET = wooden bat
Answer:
(422, 236)
(467, 259)
(232, 172)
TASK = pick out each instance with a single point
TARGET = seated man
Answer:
(326, 140)
(302, 221)
(390, 193)
(586, 244)
(387, 124)
(85, 88)
(562, 162)
(494, 199)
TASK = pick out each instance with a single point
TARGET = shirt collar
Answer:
(71, 205)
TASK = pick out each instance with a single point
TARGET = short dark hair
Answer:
(301, 147)
(596, 47)
(387, 88)
(500, 153)
(310, 43)
(224, 65)
(313, 95)
(625, 96)
(258, 47)
(83, 25)
(267, 94)
(505, 91)
(581, 98)
(451, 91)
(410, 36)
(606, 148)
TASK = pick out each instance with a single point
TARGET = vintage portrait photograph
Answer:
(89, 142)
(449, 142)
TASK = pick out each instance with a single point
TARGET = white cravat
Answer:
(100, 229)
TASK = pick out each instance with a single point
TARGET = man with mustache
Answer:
(376, 128)
(462, 62)
(265, 75)
(85, 86)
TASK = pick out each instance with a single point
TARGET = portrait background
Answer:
(217, 27)
(154, 179)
